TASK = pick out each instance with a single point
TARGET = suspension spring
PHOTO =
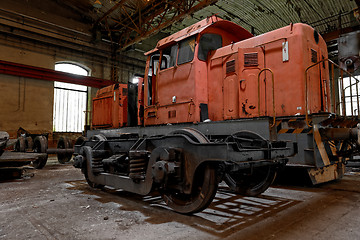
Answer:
(138, 168)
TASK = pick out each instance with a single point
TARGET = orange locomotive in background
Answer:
(230, 88)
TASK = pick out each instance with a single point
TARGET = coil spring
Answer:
(137, 168)
(97, 165)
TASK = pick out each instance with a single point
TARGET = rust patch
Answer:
(283, 107)
(244, 107)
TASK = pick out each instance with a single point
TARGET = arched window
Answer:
(69, 100)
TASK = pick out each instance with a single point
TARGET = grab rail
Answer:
(273, 93)
(333, 95)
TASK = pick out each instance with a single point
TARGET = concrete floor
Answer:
(56, 203)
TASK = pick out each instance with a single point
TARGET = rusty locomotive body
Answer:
(218, 104)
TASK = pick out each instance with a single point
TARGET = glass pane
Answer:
(208, 42)
(154, 63)
(71, 68)
(351, 96)
(186, 50)
(74, 69)
(69, 101)
(173, 54)
(70, 86)
(169, 55)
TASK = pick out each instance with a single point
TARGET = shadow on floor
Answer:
(228, 213)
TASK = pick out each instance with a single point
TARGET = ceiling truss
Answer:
(125, 24)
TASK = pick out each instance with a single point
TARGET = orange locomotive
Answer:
(231, 96)
(211, 70)
(226, 80)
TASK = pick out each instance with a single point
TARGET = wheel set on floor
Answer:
(39, 144)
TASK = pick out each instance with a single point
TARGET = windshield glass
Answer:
(186, 50)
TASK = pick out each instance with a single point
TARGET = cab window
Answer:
(169, 56)
(153, 65)
(186, 50)
(208, 42)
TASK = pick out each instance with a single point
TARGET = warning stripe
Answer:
(278, 125)
(291, 130)
(295, 130)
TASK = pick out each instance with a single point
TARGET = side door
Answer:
(251, 62)
(230, 87)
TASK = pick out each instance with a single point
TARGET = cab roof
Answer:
(213, 22)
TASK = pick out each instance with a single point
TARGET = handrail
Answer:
(333, 89)
(273, 92)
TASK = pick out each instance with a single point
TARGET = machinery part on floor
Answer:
(64, 143)
(4, 138)
(253, 181)
(29, 144)
(40, 146)
(183, 165)
(65, 149)
(13, 165)
(20, 145)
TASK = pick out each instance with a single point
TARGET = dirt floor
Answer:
(57, 203)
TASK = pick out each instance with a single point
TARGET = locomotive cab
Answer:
(176, 88)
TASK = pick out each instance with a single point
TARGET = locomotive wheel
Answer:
(20, 145)
(204, 190)
(257, 181)
(193, 134)
(40, 146)
(260, 179)
(204, 184)
(97, 138)
(29, 143)
(80, 140)
(64, 143)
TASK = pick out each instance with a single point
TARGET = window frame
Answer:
(64, 91)
(175, 62)
(199, 44)
(178, 52)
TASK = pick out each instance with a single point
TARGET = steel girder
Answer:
(22, 70)
(127, 24)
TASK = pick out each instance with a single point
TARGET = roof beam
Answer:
(111, 10)
(147, 20)
(335, 34)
